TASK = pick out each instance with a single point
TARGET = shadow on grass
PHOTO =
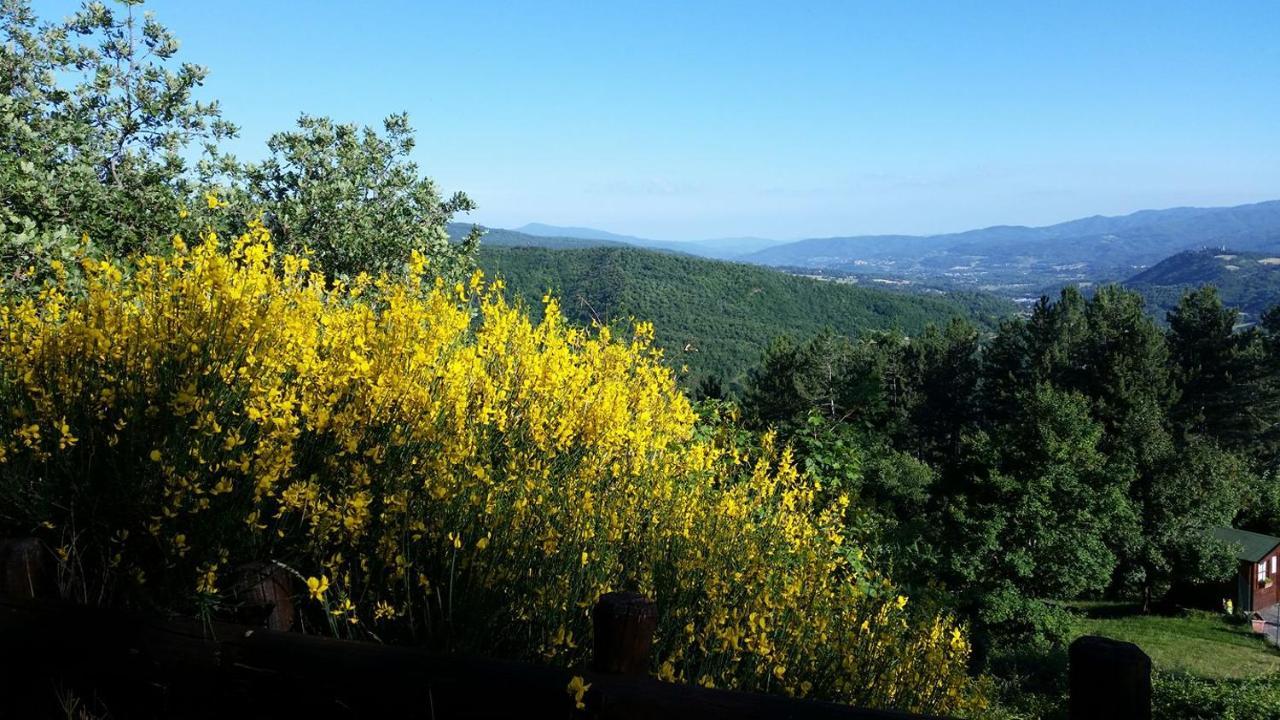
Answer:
(1106, 611)
(1115, 610)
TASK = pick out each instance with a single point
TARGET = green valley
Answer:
(717, 317)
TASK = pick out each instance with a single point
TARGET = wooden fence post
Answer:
(623, 624)
(27, 570)
(265, 593)
(1110, 680)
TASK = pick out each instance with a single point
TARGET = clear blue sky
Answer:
(683, 120)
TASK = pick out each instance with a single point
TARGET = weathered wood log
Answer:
(1110, 680)
(623, 625)
(27, 570)
(264, 593)
(145, 667)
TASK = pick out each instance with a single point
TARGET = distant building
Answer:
(1257, 585)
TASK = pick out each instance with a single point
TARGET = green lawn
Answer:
(1201, 643)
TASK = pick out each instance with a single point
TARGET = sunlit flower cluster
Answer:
(434, 467)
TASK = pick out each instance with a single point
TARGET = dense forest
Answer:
(715, 317)
(1082, 452)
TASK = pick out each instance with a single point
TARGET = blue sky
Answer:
(686, 120)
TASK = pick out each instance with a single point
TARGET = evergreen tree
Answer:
(827, 375)
(945, 368)
(1221, 374)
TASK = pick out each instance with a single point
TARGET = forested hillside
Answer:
(1247, 281)
(717, 317)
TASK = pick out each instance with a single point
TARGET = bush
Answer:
(438, 469)
(1178, 696)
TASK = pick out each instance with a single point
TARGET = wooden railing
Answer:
(136, 666)
(144, 667)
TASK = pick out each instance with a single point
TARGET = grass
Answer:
(1201, 643)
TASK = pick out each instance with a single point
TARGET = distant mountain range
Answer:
(557, 236)
(499, 237)
(1017, 260)
(582, 233)
(719, 248)
(1012, 260)
(1156, 251)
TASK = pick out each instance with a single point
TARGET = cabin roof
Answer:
(1253, 546)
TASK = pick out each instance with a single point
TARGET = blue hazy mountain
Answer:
(1012, 258)
(720, 248)
(581, 233)
(499, 237)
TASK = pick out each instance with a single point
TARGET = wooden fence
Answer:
(133, 666)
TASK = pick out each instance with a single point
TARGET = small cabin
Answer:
(1257, 584)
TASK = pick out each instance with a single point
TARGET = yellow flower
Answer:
(317, 587)
(578, 689)
(383, 611)
(369, 427)
(207, 580)
(66, 439)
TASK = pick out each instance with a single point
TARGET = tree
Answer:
(1221, 374)
(95, 115)
(1201, 487)
(1124, 362)
(1106, 348)
(1040, 510)
(775, 388)
(97, 122)
(945, 366)
(1026, 518)
(1048, 346)
(709, 387)
(353, 197)
(827, 374)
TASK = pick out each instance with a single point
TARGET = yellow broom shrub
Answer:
(435, 468)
